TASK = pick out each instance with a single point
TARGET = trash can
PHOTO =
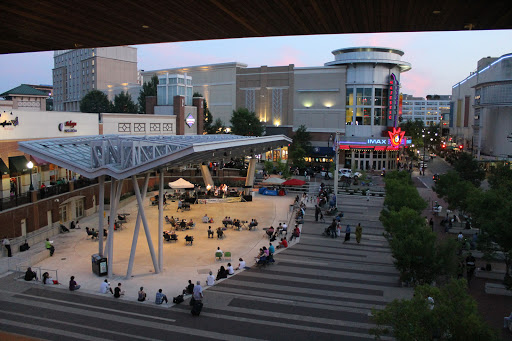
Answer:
(99, 265)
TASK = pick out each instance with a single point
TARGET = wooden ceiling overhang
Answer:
(43, 25)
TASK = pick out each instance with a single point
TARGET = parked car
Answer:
(347, 173)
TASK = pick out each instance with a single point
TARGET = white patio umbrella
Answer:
(274, 181)
(180, 183)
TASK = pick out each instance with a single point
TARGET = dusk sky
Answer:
(438, 59)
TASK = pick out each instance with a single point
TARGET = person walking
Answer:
(347, 234)
(359, 233)
(7, 245)
(431, 223)
(317, 212)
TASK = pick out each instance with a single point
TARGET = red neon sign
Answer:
(396, 136)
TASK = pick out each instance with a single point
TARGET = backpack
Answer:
(178, 299)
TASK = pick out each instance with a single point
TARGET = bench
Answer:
(189, 240)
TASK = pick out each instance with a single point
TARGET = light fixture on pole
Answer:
(30, 165)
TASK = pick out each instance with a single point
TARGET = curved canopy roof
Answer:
(121, 156)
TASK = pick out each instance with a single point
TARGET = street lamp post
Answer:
(30, 165)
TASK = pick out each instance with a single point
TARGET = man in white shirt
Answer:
(217, 251)
(241, 265)
(460, 237)
(105, 287)
(198, 292)
(230, 269)
(210, 280)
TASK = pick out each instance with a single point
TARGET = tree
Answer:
(217, 127)
(208, 117)
(455, 190)
(95, 101)
(302, 138)
(298, 154)
(123, 104)
(300, 147)
(453, 315)
(244, 122)
(400, 194)
(148, 89)
(469, 169)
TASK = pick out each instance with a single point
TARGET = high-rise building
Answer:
(77, 72)
(428, 110)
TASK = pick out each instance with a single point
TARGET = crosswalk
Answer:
(321, 288)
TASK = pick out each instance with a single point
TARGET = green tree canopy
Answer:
(400, 193)
(244, 122)
(455, 190)
(208, 117)
(217, 127)
(452, 316)
(95, 101)
(297, 155)
(148, 89)
(123, 104)
(469, 169)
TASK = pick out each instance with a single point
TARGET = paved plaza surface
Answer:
(319, 288)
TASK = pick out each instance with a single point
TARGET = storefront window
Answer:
(359, 116)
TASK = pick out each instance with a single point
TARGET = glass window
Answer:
(367, 116)
(173, 81)
(359, 96)
(162, 81)
(181, 81)
(350, 96)
(349, 116)
(160, 95)
(377, 116)
(359, 116)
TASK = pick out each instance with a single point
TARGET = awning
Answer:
(381, 148)
(344, 147)
(4, 170)
(18, 165)
(361, 147)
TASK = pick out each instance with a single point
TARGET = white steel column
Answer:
(109, 245)
(136, 231)
(100, 215)
(336, 170)
(145, 223)
(161, 222)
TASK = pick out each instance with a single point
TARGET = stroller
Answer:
(330, 232)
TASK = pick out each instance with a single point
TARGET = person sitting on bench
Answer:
(222, 273)
(206, 219)
(252, 224)
(190, 223)
(167, 236)
(91, 233)
(189, 239)
(30, 275)
(210, 232)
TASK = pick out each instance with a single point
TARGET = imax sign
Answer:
(378, 141)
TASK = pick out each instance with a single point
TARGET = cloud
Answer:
(286, 55)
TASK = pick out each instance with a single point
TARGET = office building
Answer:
(429, 110)
(481, 115)
(77, 72)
